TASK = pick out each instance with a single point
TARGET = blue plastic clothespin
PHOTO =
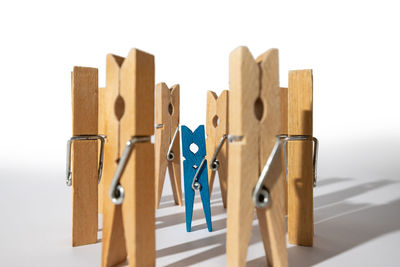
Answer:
(195, 173)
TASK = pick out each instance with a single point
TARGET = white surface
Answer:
(357, 220)
(352, 46)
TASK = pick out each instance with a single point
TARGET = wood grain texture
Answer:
(84, 156)
(244, 87)
(272, 218)
(167, 100)
(137, 89)
(284, 120)
(300, 168)
(129, 229)
(84, 101)
(162, 136)
(174, 167)
(254, 92)
(216, 127)
(101, 130)
(113, 243)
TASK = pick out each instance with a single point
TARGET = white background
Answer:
(352, 47)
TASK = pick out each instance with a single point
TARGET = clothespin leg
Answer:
(113, 233)
(84, 187)
(240, 205)
(300, 193)
(223, 173)
(174, 169)
(161, 144)
(189, 194)
(139, 219)
(210, 145)
(285, 186)
(211, 173)
(205, 196)
(272, 218)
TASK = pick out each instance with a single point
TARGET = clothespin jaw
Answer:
(254, 124)
(195, 173)
(217, 147)
(167, 143)
(129, 228)
(83, 152)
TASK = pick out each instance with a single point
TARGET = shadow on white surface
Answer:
(349, 213)
(340, 225)
(217, 250)
(344, 227)
(178, 218)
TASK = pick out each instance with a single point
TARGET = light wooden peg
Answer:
(101, 122)
(113, 231)
(84, 156)
(167, 128)
(300, 162)
(129, 228)
(254, 123)
(284, 123)
(216, 129)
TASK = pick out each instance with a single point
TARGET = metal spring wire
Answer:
(170, 154)
(117, 192)
(260, 193)
(214, 164)
(69, 155)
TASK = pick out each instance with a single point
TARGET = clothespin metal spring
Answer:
(170, 154)
(260, 193)
(195, 184)
(69, 154)
(214, 165)
(116, 192)
(315, 155)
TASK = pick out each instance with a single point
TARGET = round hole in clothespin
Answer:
(262, 198)
(170, 109)
(215, 121)
(170, 156)
(194, 148)
(119, 107)
(196, 186)
(215, 165)
(259, 108)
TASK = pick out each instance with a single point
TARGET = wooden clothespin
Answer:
(129, 193)
(217, 133)
(255, 178)
(195, 173)
(167, 141)
(301, 157)
(284, 131)
(102, 114)
(82, 150)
